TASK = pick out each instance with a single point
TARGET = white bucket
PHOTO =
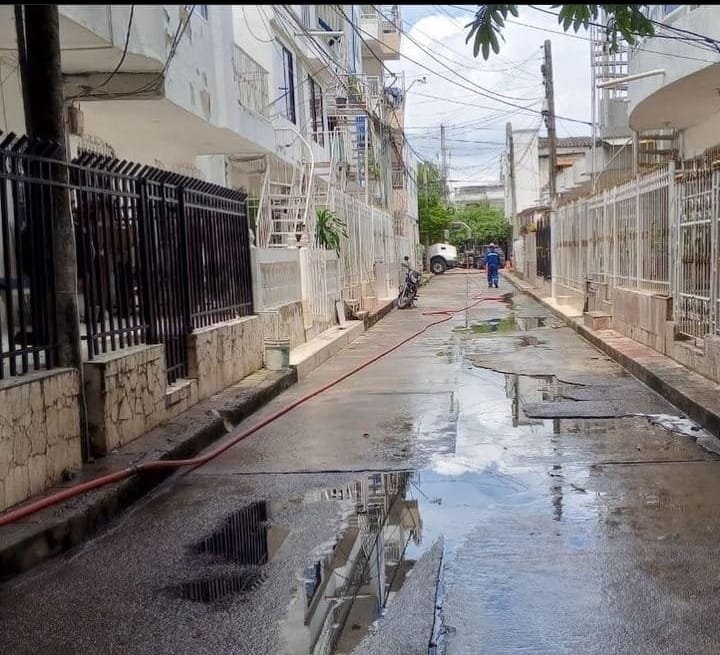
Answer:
(277, 354)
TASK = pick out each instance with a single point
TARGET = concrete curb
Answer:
(704, 416)
(380, 313)
(58, 529)
(308, 356)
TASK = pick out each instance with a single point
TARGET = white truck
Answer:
(440, 257)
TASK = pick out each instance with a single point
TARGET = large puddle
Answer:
(504, 462)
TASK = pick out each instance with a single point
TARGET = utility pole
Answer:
(511, 170)
(443, 163)
(38, 38)
(549, 114)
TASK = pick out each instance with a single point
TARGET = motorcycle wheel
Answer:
(403, 300)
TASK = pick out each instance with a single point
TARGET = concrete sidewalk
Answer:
(57, 529)
(695, 395)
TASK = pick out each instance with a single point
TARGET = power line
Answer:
(466, 61)
(177, 38)
(124, 52)
(342, 82)
(704, 39)
(589, 39)
(431, 54)
(468, 88)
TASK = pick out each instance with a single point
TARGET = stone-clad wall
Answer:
(225, 353)
(127, 391)
(39, 433)
(125, 395)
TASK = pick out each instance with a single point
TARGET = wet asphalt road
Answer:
(500, 489)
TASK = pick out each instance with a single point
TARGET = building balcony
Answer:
(92, 37)
(685, 93)
(381, 26)
(251, 83)
(198, 94)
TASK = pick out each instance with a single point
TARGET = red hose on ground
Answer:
(104, 480)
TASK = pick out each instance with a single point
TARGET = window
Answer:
(289, 85)
(316, 112)
(202, 10)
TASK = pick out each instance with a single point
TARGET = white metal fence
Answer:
(696, 251)
(620, 237)
(657, 233)
(321, 288)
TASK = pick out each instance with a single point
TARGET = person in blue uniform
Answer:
(492, 265)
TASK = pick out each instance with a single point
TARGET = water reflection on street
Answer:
(346, 589)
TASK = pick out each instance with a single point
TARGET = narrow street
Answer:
(508, 473)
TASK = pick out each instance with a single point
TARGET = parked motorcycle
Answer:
(409, 287)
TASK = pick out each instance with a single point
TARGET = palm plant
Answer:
(330, 230)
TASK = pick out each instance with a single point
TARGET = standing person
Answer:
(492, 264)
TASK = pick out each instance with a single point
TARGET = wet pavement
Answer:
(495, 486)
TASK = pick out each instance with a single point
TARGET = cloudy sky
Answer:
(471, 96)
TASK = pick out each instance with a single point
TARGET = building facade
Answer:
(211, 149)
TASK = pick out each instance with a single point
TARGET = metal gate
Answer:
(542, 247)
(695, 249)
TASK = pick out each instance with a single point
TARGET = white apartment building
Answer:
(290, 103)
(680, 90)
(476, 195)
(185, 106)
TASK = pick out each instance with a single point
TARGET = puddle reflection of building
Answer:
(345, 592)
(524, 389)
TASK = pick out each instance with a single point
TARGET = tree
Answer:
(623, 21)
(434, 215)
(486, 223)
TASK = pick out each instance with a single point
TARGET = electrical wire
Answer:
(701, 41)
(345, 85)
(124, 52)
(585, 38)
(466, 62)
(177, 38)
(481, 89)
(468, 88)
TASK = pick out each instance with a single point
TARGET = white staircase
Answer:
(288, 204)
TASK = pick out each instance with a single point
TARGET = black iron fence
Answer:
(542, 247)
(29, 178)
(177, 257)
(108, 236)
(159, 255)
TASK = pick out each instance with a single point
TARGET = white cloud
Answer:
(476, 123)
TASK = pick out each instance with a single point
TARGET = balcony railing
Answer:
(251, 81)
(398, 178)
(387, 15)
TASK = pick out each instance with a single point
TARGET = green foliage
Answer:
(626, 21)
(487, 224)
(330, 230)
(434, 215)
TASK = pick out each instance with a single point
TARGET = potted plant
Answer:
(373, 167)
(354, 90)
(330, 230)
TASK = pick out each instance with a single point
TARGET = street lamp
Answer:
(467, 275)
(422, 80)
